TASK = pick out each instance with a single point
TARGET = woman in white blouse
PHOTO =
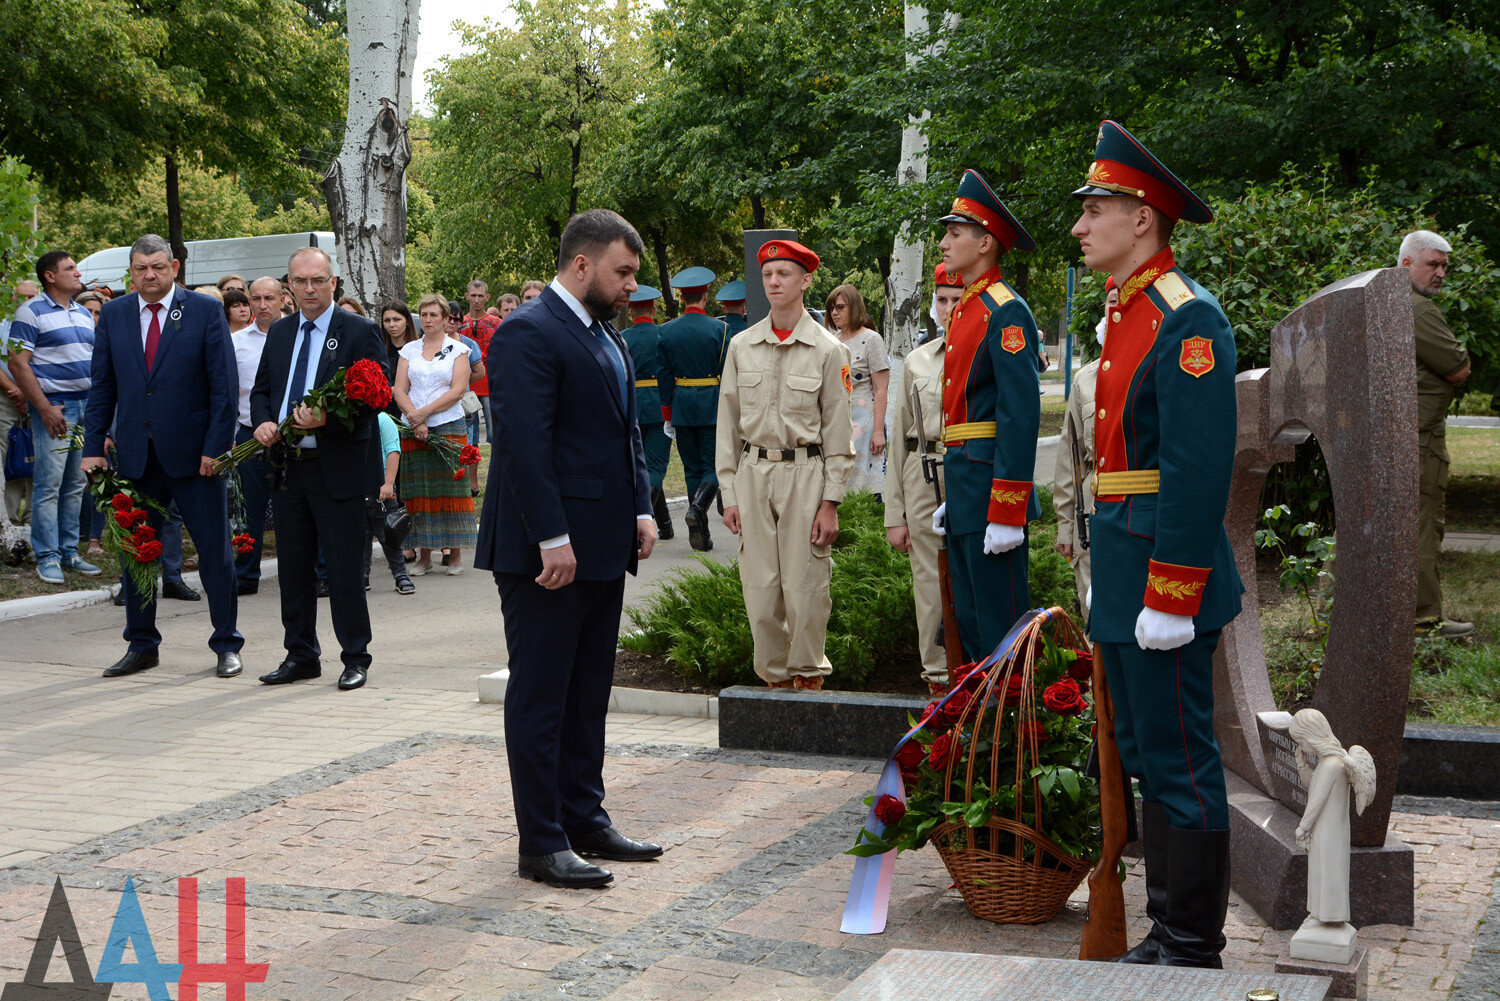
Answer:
(431, 376)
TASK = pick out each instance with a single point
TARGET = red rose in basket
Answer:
(1015, 686)
(1034, 730)
(944, 748)
(910, 756)
(1064, 697)
(889, 810)
(1082, 669)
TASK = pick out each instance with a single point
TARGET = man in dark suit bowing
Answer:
(325, 473)
(164, 378)
(567, 512)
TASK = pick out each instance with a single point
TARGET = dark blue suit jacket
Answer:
(186, 407)
(567, 457)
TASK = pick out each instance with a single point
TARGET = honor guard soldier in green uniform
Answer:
(732, 298)
(692, 358)
(642, 340)
(991, 412)
(1164, 577)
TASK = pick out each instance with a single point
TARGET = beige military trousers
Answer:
(1432, 452)
(785, 577)
(921, 504)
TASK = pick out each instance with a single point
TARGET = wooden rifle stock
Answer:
(1104, 929)
(953, 645)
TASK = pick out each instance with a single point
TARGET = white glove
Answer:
(1162, 630)
(668, 430)
(1088, 599)
(1002, 538)
(937, 519)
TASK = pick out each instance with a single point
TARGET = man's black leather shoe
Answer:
(120, 597)
(179, 590)
(248, 588)
(323, 588)
(230, 665)
(133, 661)
(286, 672)
(353, 677)
(611, 844)
(563, 869)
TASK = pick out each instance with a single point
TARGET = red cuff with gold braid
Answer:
(1008, 502)
(1175, 589)
(666, 413)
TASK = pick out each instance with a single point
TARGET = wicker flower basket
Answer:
(1007, 871)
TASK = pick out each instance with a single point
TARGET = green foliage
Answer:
(18, 244)
(521, 124)
(1305, 567)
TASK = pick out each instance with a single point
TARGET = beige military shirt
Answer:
(1081, 412)
(1439, 355)
(786, 394)
(924, 372)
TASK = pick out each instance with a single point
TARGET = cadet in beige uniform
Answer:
(784, 452)
(910, 501)
(1079, 421)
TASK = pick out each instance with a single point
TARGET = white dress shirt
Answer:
(162, 315)
(248, 346)
(588, 321)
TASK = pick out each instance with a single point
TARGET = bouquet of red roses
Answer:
(361, 384)
(454, 457)
(126, 533)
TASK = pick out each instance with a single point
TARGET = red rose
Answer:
(365, 382)
(930, 715)
(148, 552)
(121, 502)
(1014, 686)
(142, 535)
(953, 709)
(1034, 729)
(1082, 669)
(123, 519)
(910, 756)
(1064, 697)
(944, 749)
(138, 517)
(889, 810)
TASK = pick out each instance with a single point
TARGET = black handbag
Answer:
(21, 455)
(390, 521)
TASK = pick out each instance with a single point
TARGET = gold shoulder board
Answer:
(1173, 289)
(1000, 293)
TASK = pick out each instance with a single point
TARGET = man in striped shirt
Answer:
(52, 367)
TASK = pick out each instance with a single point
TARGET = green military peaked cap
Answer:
(1123, 166)
(978, 204)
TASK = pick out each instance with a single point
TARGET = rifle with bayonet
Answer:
(953, 647)
(1080, 507)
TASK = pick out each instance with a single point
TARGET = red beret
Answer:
(788, 250)
(941, 277)
(1109, 283)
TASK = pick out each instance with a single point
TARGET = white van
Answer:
(209, 260)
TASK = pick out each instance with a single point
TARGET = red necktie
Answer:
(153, 335)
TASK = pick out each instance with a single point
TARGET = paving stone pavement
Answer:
(374, 831)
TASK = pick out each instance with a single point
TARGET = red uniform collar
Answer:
(979, 284)
(644, 319)
(1157, 265)
(695, 309)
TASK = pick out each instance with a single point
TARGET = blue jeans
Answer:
(56, 488)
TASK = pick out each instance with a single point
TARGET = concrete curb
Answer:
(65, 601)
(642, 701)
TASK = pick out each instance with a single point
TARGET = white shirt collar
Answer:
(573, 304)
(165, 302)
(321, 322)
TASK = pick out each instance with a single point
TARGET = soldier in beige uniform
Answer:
(910, 500)
(784, 452)
(1078, 423)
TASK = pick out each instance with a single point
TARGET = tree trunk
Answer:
(903, 287)
(366, 185)
(757, 212)
(659, 248)
(174, 217)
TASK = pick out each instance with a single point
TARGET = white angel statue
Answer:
(1329, 772)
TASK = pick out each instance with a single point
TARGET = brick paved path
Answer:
(375, 832)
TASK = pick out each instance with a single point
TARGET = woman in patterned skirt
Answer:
(870, 370)
(431, 377)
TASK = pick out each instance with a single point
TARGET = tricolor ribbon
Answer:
(870, 886)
